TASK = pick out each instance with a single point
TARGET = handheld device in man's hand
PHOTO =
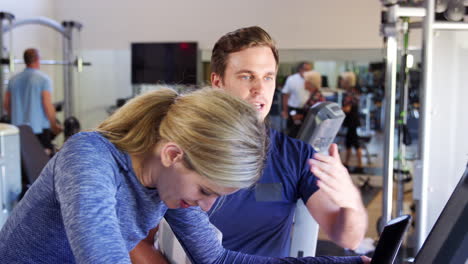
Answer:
(390, 240)
(322, 123)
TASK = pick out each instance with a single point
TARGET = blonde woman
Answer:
(352, 120)
(160, 155)
(312, 83)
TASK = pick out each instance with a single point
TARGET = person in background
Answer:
(312, 83)
(352, 119)
(294, 97)
(28, 101)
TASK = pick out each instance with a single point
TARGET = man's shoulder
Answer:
(295, 77)
(287, 147)
(15, 77)
(42, 75)
(280, 138)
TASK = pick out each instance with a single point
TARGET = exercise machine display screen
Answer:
(448, 240)
(390, 240)
(322, 123)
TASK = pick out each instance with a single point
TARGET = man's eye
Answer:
(268, 78)
(246, 77)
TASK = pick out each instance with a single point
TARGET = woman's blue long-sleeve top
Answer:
(87, 206)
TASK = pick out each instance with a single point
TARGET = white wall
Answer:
(448, 146)
(45, 39)
(110, 27)
(101, 84)
(113, 24)
(27, 36)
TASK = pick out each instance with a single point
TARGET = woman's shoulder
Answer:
(87, 143)
(87, 138)
(93, 146)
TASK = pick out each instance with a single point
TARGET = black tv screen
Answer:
(164, 63)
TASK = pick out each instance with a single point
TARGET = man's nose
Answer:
(258, 87)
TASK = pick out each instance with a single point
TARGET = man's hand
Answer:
(56, 129)
(299, 117)
(334, 179)
(366, 260)
(145, 253)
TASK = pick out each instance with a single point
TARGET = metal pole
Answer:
(390, 88)
(3, 17)
(44, 21)
(425, 123)
(450, 25)
(70, 59)
(70, 74)
(2, 78)
(409, 11)
(403, 105)
(43, 62)
(66, 76)
(390, 32)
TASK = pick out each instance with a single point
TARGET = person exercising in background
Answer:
(294, 96)
(352, 120)
(244, 63)
(312, 83)
(28, 100)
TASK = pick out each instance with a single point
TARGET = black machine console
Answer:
(390, 240)
(322, 123)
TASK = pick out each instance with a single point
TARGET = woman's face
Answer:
(309, 86)
(181, 187)
(177, 185)
(346, 84)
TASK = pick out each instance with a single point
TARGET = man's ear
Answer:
(216, 80)
(171, 153)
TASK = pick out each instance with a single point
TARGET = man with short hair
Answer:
(244, 63)
(258, 220)
(294, 97)
(28, 100)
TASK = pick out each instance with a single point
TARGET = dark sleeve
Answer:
(85, 187)
(307, 184)
(319, 260)
(198, 237)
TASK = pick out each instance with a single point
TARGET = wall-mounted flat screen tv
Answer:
(164, 63)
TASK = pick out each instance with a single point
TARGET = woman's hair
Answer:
(349, 77)
(313, 77)
(222, 136)
(239, 40)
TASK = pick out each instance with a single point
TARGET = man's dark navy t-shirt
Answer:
(258, 220)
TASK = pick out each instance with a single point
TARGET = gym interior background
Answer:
(334, 35)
